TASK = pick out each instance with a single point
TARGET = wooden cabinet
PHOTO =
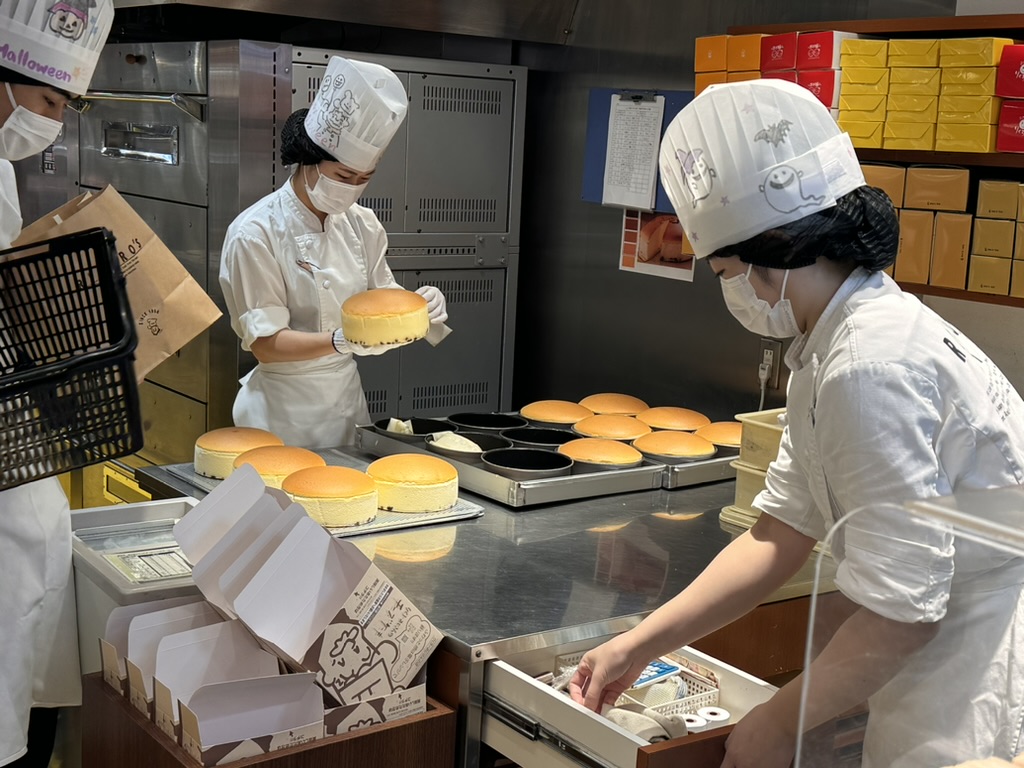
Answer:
(1006, 164)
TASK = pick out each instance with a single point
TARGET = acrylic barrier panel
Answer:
(916, 657)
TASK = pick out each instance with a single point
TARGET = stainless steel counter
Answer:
(512, 581)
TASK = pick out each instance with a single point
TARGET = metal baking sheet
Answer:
(385, 521)
(697, 472)
(523, 493)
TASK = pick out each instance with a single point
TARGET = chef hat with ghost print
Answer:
(356, 112)
(743, 158)
(56, 42)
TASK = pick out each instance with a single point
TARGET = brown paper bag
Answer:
(169, 306)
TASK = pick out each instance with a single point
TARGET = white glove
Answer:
(340, 343)
(436, 306)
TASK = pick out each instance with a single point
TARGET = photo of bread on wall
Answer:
(662, 241)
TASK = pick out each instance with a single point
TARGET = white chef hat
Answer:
(54, 42)
(745, 157)
(356, 112)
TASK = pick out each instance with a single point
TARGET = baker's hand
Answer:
(604, 673)
(377, 349)
(437, 307)
(761, 739)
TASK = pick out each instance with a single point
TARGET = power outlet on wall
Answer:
(771, 356)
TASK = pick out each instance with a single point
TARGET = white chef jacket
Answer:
(38, 630)
(888, 402)
(281, 269)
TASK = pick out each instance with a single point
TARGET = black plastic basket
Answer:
(68, 396)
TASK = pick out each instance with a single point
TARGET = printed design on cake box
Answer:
(814, 51)
(222, 754)
(777, 51)
(375, 645)
(355, 717)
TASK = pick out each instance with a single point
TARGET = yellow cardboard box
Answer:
(937, 188)
(866, 135)
(903, 108)
(989, 275)
(864, 53)
(914, 255)
(951, 137)
(909, 136)
(864, 80)
(968, 81)
(950, 250)
(736, 77)
(743, 53)
(1020, 203)
(913, 53)
(702, 80)
(975, 110)
(916, 81)
(1017, 280)
(997, 199)
(711, 53)
(993, 237)
(891, 179)
(1018, 243)
(863, 108)
(972, 51)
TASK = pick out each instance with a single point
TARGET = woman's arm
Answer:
(288, 346)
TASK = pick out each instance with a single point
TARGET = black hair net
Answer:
(862, 227)
(296, 146)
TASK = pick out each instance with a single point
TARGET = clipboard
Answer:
(596, 143)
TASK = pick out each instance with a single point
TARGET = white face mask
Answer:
(332, 196)
(754, 313)
(25, 133)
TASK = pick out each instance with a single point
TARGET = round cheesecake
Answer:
(555, 412)
(217, 449)
(612, 426)
(412, 482)
(668, 417)
(680, 445)
(275, 462)
(420, 546)
(724, 433)
(384, 316)
(333, 496)
(598, 450)
(610, 402)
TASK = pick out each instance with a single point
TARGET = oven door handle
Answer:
(187, 104)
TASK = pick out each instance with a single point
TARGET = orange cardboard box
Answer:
(743, 53)
(989, 275)
(937, 188)
(997, 199)
(736, 77)
(703, 79)
(711, 53)
(913, 259)
(993, 237)
(951, 250)
(891, 179)
(1017, 279)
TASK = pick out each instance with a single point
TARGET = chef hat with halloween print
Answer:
(53, 42)
(357, 110)
(744, 158)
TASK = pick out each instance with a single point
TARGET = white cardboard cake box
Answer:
(186, 661)
(144, 635)
(114, 643)
(224, 722)
(322, 606)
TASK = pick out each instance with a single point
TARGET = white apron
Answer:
(39, 636)
(38, 629)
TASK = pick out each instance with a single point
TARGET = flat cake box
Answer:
(295, 622)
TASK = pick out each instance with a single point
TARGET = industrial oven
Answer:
(187, 133)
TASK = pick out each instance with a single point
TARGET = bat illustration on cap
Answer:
(774, 134)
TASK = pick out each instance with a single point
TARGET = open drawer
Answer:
(537, 727)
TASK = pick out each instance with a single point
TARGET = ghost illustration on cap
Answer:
(356, 112)
(745, 157)
(56, 42)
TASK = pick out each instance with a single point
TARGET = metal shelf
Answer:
(951, 293)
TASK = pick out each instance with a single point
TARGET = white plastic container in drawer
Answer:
(537, 727)
(760, 437)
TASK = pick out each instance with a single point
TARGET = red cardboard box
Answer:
(820, 50)
(1011, 127)
(1010, 77)
(778, 52)
(823, 83)
(781, 74)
